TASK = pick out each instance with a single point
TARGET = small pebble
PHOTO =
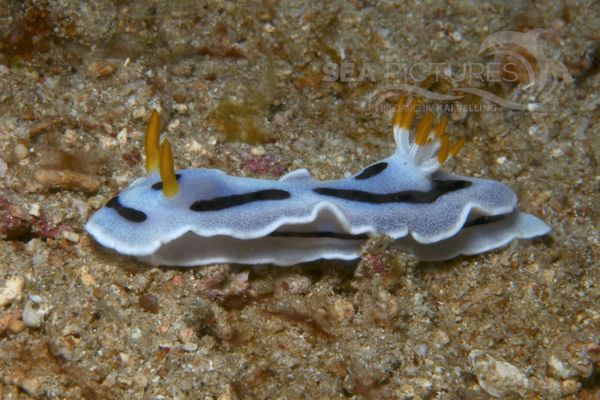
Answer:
(180, 98)
(136, 334)
(343, 310)
(456, 37)
(35, 298)
(87, 279)
(181, 108)
(269, 28)
(101, 69)
(190, 347)
(296, 284)
(71, 236)
(440, 339)
(70, 137)
(12, 290)
(122, 136)
(149, 303)
(123, 179)
(186, 335)
(34, 312)
(107, 128)
(560, 368)
(124, 358)
(421, 350)
(174, 124)
(196, 147)
(20, 151)
(570, 387)
(556, 152)
(34, 210)
(139, 113)
(533, 130)
(108, 143)
(258, 151)
(142, 380)
(15, 326)
(82, 208)
(97, 201)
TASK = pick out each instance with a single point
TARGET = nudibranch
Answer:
(201, 216)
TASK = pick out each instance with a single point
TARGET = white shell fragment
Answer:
(498, 378)
(12, 290)
(217, 218)
(34, 312)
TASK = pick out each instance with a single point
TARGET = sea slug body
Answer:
(201, 216)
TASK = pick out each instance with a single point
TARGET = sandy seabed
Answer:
(259, 89)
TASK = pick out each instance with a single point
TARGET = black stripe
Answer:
(158, 185)
(221, 203)
(372, 170)
(487, 219)
(129, 214)
(336, 235)
(439, 189)
(484, 220)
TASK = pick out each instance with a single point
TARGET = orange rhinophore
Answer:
(441, 127)
(409, 115)
(399, 111)
(444, 149)
(170, 185)
(456, 147)
(151, 142)
(424, 129)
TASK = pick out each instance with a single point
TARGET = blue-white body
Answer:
(220, 218)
